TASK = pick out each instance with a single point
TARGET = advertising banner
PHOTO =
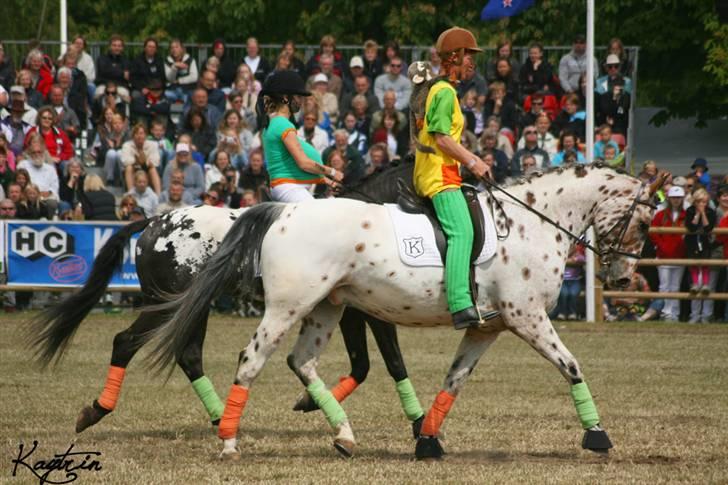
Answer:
(49, 253)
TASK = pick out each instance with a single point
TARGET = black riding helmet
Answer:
(284, 82)
(277, 85)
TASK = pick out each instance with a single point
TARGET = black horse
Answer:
(169, 253)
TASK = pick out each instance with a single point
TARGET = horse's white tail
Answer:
(235, 261)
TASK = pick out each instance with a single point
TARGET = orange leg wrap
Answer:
(438, 412)
(233, 410)
(112, 388)
(345, 387)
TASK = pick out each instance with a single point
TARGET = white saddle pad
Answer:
(416, 237)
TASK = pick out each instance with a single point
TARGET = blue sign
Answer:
(62, 253)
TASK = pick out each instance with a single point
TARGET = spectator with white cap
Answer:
(670, 246)
(326, 100)
(605, 84)
(194, 178)
(356, 68)
(30, 114)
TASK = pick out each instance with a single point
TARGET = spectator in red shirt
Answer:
(57, 142)
(40, 72)
(669, 246)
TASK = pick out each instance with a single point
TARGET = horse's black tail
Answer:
(236, 258)
(51, 331)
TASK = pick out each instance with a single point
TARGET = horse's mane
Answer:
(395, 167)
(527, 179)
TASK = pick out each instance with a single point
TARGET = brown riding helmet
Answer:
(455, 39)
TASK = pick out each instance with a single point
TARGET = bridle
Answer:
(620, 227)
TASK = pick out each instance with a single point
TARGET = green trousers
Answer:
(452, 211)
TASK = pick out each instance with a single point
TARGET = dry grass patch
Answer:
(660, 389)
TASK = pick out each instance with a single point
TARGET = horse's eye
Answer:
(644, 227)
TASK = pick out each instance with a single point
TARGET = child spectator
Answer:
(605, 139)
(699, 220)
(669, 246)
(631, 309)
(572, 285)
(612, 157)
(145, 197)
(158, 134)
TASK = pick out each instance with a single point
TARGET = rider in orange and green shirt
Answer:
(437, 175)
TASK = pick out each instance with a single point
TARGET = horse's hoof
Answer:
(428, 449)
(596, 440)
(229, 455)
(88, 416)
(344, 447)
(305, 403)
(417, 428)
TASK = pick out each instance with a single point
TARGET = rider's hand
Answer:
(338, 176)
(480, 169)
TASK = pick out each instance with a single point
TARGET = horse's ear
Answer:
(658, 183)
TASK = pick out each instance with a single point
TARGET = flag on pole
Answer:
(496, 9)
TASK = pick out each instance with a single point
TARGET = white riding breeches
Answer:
(291, 193)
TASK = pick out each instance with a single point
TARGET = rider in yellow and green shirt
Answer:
(437, 175)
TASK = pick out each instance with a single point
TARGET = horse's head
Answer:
(621, 222)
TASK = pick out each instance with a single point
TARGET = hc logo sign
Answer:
(32, 244)
(414, 247)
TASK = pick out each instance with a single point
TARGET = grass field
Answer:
(662, 392)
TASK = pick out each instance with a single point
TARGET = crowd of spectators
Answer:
(166, 132)
(162, 114)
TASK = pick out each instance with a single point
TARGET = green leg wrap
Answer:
(452, 211)
(408, 399)
(326, 401)
(584, 404)
(206, 392)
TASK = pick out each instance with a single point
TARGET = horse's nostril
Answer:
(623, 282)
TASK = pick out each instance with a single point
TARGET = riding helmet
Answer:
(284, 82)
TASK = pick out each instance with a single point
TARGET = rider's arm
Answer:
(290, 140)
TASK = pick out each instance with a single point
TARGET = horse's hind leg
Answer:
(538, 331)
(126, 344)
(472, 347)
(315, 333)
(386, 336)
(353, 331)
(191, 363)
(265, 341)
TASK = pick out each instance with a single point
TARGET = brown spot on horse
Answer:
(366, 225)
(526, 273)
(530, 198)
(359, 247)
(391, 274)
(558, 237)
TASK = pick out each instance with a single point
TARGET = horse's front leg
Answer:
(537, 330)
(472, 347)
(316, 331)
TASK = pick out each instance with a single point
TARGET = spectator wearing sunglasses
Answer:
(605, 84)
(395, 81)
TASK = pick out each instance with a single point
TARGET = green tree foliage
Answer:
(683, 63)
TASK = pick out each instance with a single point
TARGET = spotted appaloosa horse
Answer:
(310, 278)
(169, 253)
